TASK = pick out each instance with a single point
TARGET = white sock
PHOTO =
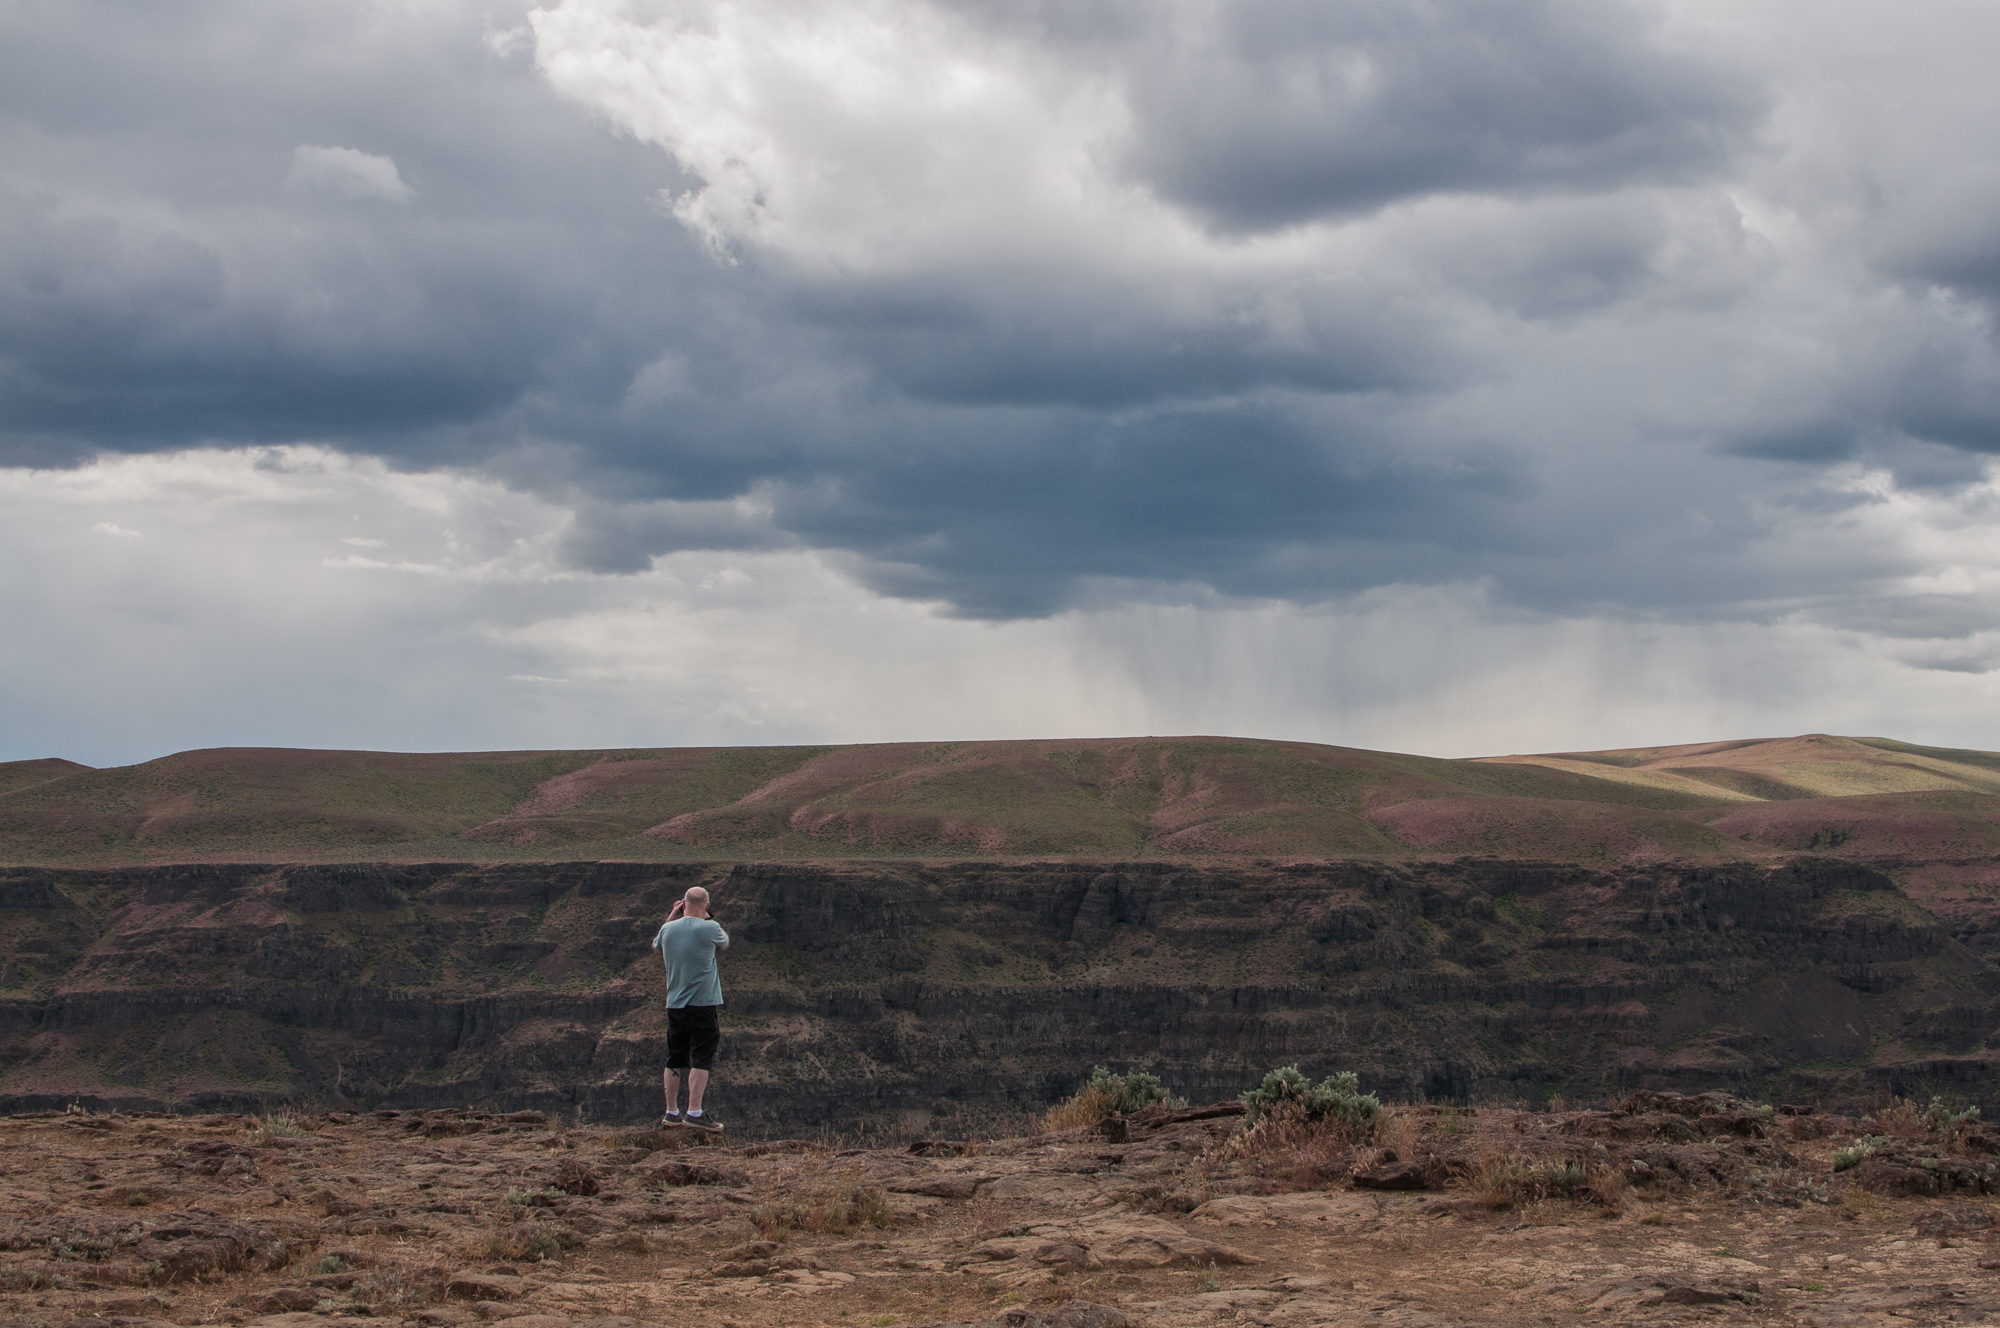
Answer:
(694, 1113)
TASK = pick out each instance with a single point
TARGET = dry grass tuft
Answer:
(1402, 1131)
(831, 1202)
(279, 1125)
(1287, 1145)
(1503, 1180)
(532, 1241)
(1108, 1095)
(651, 1140)
(1939, 1121)
(400, 1286)
(1086, 1108)
(1901, 1119)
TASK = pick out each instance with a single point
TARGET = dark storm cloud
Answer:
(1018, 517)
(169, 275)
(1025, 338)
(137, 340)
(1286, 112)
(387, 231)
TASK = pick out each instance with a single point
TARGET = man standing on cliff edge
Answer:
(689, 942)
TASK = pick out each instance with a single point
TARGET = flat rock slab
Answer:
(941, 1187)
(1278, 1309)
(1041, 1186)
(485, 1286)
(1316, 1207)
(1073, 1314)
(1151, 1242)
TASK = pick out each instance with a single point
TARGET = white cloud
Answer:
(232, 627)
(859, 134)
(347, 174)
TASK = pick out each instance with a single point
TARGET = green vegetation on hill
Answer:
(1128, 798)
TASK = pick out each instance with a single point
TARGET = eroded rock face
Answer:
(864, 990)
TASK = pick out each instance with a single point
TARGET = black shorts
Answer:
(693, 1034)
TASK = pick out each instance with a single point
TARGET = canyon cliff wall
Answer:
(911, 992)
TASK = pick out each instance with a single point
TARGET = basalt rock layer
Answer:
(909, 991)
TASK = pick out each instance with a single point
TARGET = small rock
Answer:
(1955, 1221)
(1163, 1249)
(756, 1249)
(1716, 1293)
(579, 1178)
(939, 1148)
(1072, 1314)
(676, 1174)
(133, 1306)
(1063, 1253)
(289, 1319)
(284, 1300)
(1394, 1176)
(484, 1286)
(940, 1187)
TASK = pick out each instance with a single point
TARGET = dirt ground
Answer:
(1664, 1211)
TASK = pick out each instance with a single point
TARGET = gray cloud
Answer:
(182, 261)
(1281, 112)
(1473, 292)
(348, 174)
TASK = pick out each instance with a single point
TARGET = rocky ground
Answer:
(1664, 1210)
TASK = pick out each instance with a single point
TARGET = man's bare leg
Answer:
(672, 1083)
(697, 1083)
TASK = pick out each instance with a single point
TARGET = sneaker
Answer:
(670, 1119)
(703, 1122)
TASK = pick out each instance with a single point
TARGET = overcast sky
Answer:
(1455, 376)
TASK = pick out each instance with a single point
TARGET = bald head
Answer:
(696, 902)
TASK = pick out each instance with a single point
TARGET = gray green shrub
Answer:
(1338, 1097)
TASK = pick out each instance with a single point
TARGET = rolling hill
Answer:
(1127, 798)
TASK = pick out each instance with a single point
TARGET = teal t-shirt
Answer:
(688, 947)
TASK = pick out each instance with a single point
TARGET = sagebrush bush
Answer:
(1850, 1156)
(543, 1196)
(1943, 1120)
(1108, 1095)
(1338, 1097)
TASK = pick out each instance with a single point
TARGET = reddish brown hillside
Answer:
(1128, 798)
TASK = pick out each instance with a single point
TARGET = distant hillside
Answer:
(1127, 798)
